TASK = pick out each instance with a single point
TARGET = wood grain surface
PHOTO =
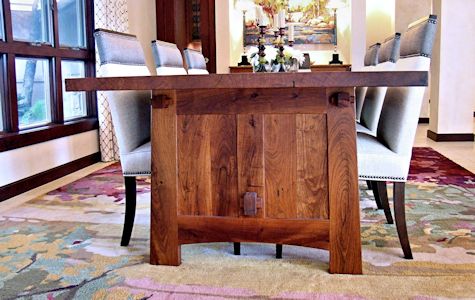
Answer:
(310, 233)
(251, 101)
(250, 155)
(164, 246)
(345, 240)
(246, 81)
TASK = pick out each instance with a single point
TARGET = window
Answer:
(74, 103)
(31, 20)
(71, 23)
(33, 92)
(43, 42)
(2, 33)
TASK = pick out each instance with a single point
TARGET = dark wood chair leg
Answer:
(400, 215)
(278, 251)
(237, 248)
(368, 183)
(130, 204)
(382, 191)
(374, 187)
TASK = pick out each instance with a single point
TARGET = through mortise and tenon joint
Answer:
(251, 203)
(341, 99)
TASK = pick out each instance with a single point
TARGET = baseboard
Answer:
(24, 185)
(423, 120)
(450, 137)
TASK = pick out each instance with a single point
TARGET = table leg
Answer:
(345, 240)
(164, 245)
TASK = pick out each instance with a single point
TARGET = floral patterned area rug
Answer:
(65, 245)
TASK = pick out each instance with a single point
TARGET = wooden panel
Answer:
(225, 200)
(164, 247)
(194, 166)
(250, 145)
(252, 101)
(280, 165)
(345, 240)
(254, 81)
(310, 233)
(312, 168)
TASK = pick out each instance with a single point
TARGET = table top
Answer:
(255, 80)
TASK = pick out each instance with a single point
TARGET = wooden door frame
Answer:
(172, 26)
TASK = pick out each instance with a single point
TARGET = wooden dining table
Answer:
(267, 158)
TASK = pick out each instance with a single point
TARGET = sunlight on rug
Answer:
(65, 245)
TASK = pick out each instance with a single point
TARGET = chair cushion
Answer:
(137, 162)
(377, 162)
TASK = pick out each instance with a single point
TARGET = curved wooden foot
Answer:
(237, 248)
(278, 251)
(380, 191)
(130, 204)
(400, 215)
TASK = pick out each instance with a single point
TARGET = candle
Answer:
(276, 22)
(265, 20)
(260, 16)
(291, 32)
(282, 19)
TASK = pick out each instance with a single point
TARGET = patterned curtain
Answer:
(112, 15)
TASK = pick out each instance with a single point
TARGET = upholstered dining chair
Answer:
(168, 59)
(386, 156)
(196, 62)
(370, 60)
(374, 98)
(120, 54)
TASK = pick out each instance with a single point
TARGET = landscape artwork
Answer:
(313, 22)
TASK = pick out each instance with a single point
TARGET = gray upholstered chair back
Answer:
(168, 59)
(371, 57)
(122, 55)
(370, 60)
(374, 98)
(195, 61)
(401, 109)
(390, 49)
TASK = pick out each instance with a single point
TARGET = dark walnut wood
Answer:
(261, 158)
(248, 81)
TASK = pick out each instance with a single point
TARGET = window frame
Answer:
(12, 137)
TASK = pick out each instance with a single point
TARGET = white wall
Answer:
(27, 161)
(380, 20)
(142, 22)
(453, 75)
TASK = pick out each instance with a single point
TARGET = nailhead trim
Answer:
(381, 177)
(136, 173)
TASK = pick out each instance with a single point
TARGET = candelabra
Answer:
(281, 49)
(262, 48)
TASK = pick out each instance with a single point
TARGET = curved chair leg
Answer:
(368, 183)
(278, 250)
(374, 187)
(380, 190)
(130, 204)
(237, 248)
(400, 215)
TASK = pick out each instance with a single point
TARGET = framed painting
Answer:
(313, 22)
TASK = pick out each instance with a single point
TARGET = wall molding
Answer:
(450, 137)
(29, 183)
